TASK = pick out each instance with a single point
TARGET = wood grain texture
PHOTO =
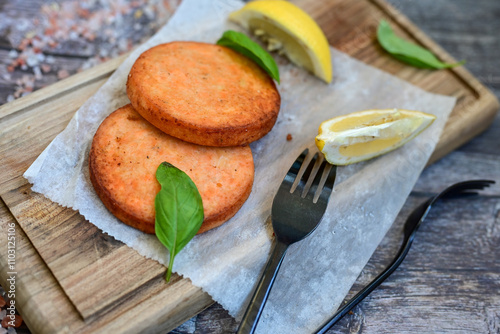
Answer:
(50, 224)
(38, 292)
(19, 122)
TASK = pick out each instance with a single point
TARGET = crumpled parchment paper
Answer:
(226, 262)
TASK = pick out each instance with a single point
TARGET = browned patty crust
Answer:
(127, 150)
(203, 93)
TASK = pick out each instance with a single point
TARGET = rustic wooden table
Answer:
(450, 281)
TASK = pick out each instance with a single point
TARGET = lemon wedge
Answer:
(363, 135)
(289, 30)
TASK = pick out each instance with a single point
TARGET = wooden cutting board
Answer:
(71, 278)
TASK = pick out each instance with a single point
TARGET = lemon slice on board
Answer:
(289, 30)
(363, 135)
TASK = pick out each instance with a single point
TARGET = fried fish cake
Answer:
(203, 93)
(127, 150)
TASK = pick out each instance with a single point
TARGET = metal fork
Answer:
(418, 215)
(297, 210)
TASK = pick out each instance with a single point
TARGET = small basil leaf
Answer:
(179, 210)
(408, 52)
(241, 43)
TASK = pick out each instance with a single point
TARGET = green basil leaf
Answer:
(179, 210)
(408, 52)
(241, 43)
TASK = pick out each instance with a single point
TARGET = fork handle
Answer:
(259, 298)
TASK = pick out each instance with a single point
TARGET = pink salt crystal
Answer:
(6, 322)
(49, 31)
(45, 68)
(89, 36)
(32, 59)
(38, 73)
(83, 13)
(24, 43)
(61, 74)
(6, 76)
(13, 54)
(73, 35)
(28, 80)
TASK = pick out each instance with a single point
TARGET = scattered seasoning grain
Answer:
(101, 26)
(6, 322)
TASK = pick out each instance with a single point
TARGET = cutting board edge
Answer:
(39, 316)
(446, 144)
(418, 34)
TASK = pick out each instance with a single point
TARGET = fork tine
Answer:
(327, 188)
(484, 183)
(301, 185)
(477, 184)
(330, 181)
(462, 188)
(294, 170)
(319, 181)
(316, 172)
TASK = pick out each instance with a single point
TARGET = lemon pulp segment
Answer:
(363, 135)
(280, 40)
(366, 119)
(360, 149)
(288, 29)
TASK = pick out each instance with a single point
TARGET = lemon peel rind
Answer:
(332, 154)
(312, 39)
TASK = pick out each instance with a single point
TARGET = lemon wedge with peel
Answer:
(289, 30)
(363, 135)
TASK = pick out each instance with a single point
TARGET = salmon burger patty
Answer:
(127, 150)
(203, 93)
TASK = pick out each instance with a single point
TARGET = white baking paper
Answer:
(226, 262)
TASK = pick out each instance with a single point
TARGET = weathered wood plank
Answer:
(8, 80)
(448, 283)
(39, 293)
(50, 224)
(64, 37)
